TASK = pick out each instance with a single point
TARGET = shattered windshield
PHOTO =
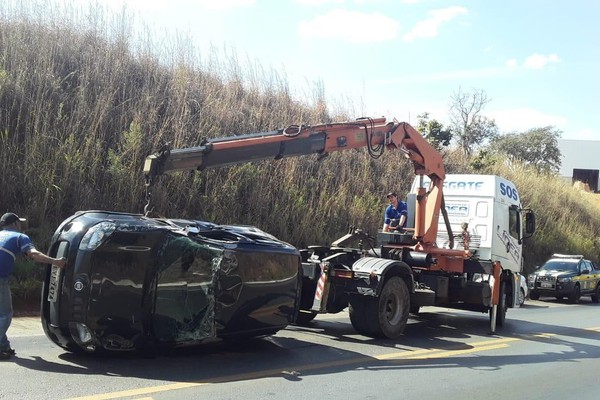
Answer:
(184, 293)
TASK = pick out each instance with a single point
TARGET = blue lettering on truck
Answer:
(509, 191)
(463, 185)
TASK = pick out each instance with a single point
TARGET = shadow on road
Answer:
(325, 349)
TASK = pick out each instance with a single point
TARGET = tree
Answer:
(537, 147)
(434, 131)
(470, 127)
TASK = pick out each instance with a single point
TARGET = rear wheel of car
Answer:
(575, 295)
(596, 295)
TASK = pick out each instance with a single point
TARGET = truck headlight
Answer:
(531, 278)
(565, 279)
(96, 235)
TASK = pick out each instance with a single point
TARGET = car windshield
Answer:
(560, 265)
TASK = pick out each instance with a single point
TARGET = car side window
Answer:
(586, 267)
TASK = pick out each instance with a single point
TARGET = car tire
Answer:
(534, 295)
(596, 295)
(575, 295)
(305, 317)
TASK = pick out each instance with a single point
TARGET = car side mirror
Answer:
(585, 271)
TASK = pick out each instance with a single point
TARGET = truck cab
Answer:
(496, 223)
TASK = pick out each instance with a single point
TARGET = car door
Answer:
(586, 277)
(184, 291)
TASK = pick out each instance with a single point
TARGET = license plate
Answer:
(546, 284)
(54, 284)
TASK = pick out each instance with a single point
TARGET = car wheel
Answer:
(521, 296)
(575, 295)
(304, 317)
(596, 295)
(534, 295)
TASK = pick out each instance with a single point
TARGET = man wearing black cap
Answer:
(13, 243)
(395, 214)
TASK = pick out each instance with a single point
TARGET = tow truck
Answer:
(384, 278)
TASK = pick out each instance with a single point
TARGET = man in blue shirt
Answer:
(395, 214)
(13, 243)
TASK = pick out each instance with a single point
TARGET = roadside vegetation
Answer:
(84, 99)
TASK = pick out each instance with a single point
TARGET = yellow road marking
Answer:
(141, 391)
(453, 353)
(485, 345)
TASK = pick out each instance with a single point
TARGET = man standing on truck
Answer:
(13, 243)
(395, 214)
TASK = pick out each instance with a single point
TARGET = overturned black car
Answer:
(138, 283)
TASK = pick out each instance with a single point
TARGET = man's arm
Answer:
(42, 258)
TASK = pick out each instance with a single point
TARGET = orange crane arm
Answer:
(376, 134)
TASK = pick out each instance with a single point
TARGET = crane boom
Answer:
(376, 134)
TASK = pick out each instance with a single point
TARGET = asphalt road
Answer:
(547, 350)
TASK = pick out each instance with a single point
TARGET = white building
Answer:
(580, 161)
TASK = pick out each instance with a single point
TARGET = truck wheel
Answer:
(575, 295)
(534, 295)
(359, 317)
(596, 295)
(304, 317)
(502, 306)
(392, 308)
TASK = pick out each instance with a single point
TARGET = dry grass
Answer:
(83, 101)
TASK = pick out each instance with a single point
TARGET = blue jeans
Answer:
(6, 312)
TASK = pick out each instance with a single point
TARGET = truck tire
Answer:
(534, 295)
(502, 306)
(391, 308)
(575, 295)
(360, 318)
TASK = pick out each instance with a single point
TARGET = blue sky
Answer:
(537, 60)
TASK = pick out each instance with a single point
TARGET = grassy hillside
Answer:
(83, 101)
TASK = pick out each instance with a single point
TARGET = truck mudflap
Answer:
(322, 290)
(370, 273)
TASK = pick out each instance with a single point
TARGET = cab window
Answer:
(586, 267)
(513, 222)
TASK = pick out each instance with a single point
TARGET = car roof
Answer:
(567, 256)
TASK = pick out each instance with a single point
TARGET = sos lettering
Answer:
(508, 191)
